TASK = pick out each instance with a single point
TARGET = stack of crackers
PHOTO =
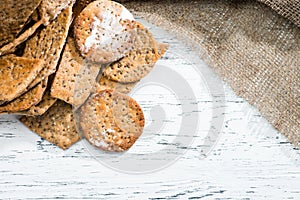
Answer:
(60, 60)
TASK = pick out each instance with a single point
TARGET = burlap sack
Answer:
(248, 44)
(287, 8)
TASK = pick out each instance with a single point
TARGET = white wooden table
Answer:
(249, 158)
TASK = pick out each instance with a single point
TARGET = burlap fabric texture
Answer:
(255, 49)
(287, 8)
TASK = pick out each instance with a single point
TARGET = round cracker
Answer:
(104, 31)
(111, 121)
(104, 83)
(139, 61)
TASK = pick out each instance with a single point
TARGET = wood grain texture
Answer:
(250, 160)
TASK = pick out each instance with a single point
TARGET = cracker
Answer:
(139, 61)
(35, 16)
(104, 83)
(27, 100)
(111, 121)
(39, 109)
(11, 47)
(80, 5)
(13, 17)
(75, 77)
(56, 125)
(48, 44)
(16, 73)
(50, 9)
(104, 31)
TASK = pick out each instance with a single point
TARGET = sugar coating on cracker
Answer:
(110, 26)
(104, 31)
